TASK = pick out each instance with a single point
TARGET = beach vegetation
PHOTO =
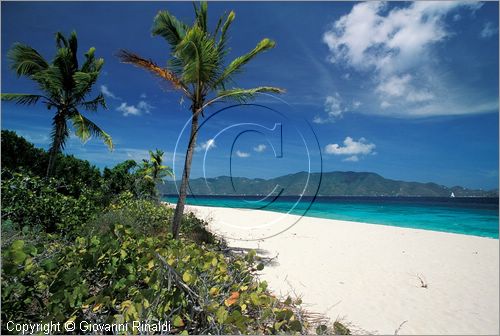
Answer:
(340, 329)
(69, 255)
(154, 173)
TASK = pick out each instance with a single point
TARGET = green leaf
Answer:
(221, 315)
(177, 321)
(296, 326)
(187, 277)
(17, 245)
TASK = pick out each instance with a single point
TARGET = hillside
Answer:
(332, 184)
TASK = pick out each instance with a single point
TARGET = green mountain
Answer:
(332, 184)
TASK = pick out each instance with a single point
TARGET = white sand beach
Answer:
(368, 275)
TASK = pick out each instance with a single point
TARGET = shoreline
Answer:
(371, 276)
(456, 220)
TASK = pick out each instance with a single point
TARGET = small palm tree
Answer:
(65, 88)
(154, 172)
(198, 70)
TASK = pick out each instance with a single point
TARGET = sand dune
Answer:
(370, 276)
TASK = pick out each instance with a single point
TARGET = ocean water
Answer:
(471, 216)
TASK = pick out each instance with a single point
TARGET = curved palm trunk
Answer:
(179, 209)
(56, 145)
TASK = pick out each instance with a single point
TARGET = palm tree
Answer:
(154, 172)
(64, 87)
(197, 69)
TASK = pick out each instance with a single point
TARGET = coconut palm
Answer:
(65, 88)
(197, 69)
(154, 172)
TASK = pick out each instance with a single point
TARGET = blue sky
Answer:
(406, 90)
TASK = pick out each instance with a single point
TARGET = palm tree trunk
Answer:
(179, 209)
(56, 146)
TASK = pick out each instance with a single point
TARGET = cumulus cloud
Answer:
(334, 107)
(260, 148)
(397, 45)
(144, 106)
(371, 36)
(105, 91)
(242, 154)
(136, 110)
(207, 145)
(353, 158)
(488, 30)
(351, 148)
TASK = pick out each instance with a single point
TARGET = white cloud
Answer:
(394, 86)
(370, 36)
(207, 145)
(143, 95)
(488, 30)
(141, 108)
(128, 109)
(260, 148)
(385, 104)
(144, 106)
(105, 91)
(351, 148)
(320, 120)
(242, 154)
(397, 45)
(333, 107)
(353, 158)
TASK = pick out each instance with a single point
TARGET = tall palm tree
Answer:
(65, 87)
(198, 70)
(154, 172)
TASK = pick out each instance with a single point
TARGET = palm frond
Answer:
(201, 15)
(221, 44)
(243, 95)
(26, 61)
(22, 98)
(198, 55)
(236, 65)
(131, 58)
(93, 105)
(84, 129)
(73, 47)
(64, 62)
(83, 83)
(167, 26)
(50, 81)
(61, 41)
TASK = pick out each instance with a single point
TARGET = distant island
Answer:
(332, 184)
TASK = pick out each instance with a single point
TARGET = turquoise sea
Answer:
(468, 215)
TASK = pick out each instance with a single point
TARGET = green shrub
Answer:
(196, 229)
(19, 155)
(41, 203)
(125, 276)
(143, 215)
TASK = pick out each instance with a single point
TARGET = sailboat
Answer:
(452, 194)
